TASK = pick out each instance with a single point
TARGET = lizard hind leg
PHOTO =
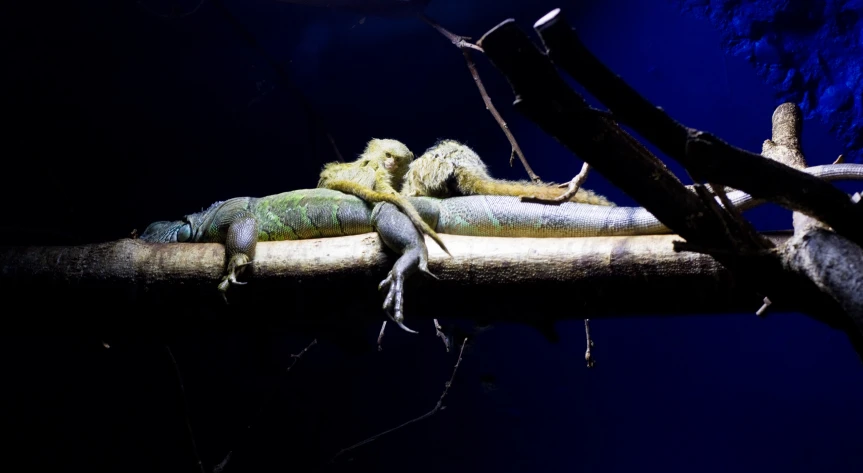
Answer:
(240, 243)
(373, 197)
(399, 234)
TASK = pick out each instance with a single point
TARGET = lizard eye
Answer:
(184, 233)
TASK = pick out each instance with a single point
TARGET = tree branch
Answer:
(300, 278)
(705, 156)
(783, 273)
(462, 43)
(544, 98)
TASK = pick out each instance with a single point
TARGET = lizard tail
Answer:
(528, 189)
(399, 201)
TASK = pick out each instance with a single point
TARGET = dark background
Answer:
(116, 117)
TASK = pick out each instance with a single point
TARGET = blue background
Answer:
(117, 117)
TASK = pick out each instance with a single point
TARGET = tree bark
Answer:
(524, 280)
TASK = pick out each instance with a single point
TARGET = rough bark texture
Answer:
(545, 98)
(529, 280)
(515, 279)
(807, 275)
(706, 157)
(833, 263)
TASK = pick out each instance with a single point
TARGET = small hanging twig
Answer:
(462, 43)
(441, 335)
(760, 312)
(437, 328)
(381, 336)
(220, 467)
(438, 407)
(296, 357)
(185, 409)
(587, 355)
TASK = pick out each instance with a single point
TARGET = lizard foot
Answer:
(394, 302)
(235, 267)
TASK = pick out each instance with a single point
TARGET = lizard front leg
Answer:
(240, 241)
(399, 234)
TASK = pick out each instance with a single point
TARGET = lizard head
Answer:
(167, 232)
(392, 155)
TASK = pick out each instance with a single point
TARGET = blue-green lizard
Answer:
(241, 222)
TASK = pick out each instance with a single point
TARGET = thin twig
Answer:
(468, 57)
(296, 357)
(587, 356)
(462, 43)
(745, 232)
(441, 335)
(760, 312)
(439, 406)
(185, 409)
(333, 145)
(381, 336)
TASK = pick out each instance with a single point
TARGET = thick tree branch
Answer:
(833, 263)
(705, 156)
(544, 98)
(334, 278)
(791, 274)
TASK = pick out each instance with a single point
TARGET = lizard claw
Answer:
(386, 282)
(403, 326)
(395, 301)
(394, 284)
(227, 280)
(234, 267)
(223, 288)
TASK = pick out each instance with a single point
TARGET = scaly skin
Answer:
(241, 222)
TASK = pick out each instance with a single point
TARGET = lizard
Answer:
(241, 222)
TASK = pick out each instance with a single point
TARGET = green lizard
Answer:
(239, 223)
